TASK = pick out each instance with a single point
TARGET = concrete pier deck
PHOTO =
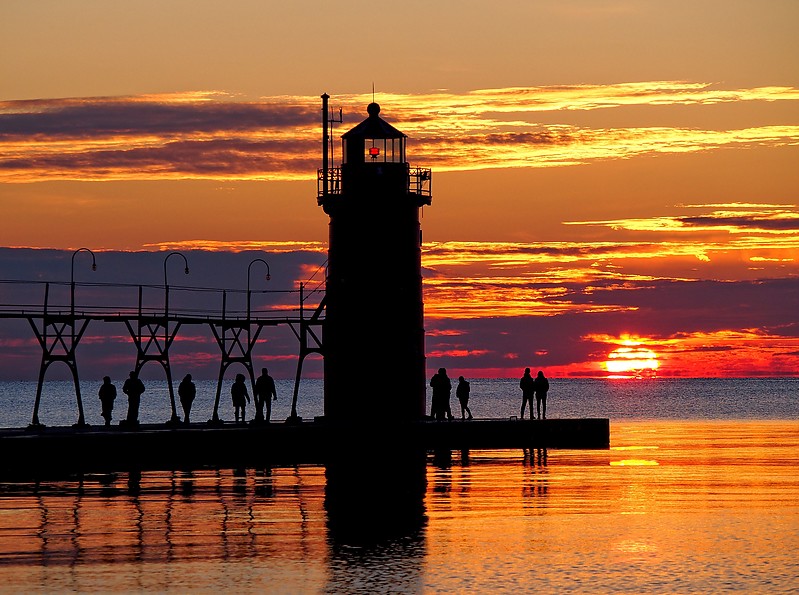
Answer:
(53, 452)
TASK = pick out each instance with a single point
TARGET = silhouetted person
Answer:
(264, 393)
(527, 384)
(442, 388)
(186, 391)
(107, 394)
(541, 388)
(134, 388)
(462, 392)
(240, 396)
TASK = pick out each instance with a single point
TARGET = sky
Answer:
(615, 189)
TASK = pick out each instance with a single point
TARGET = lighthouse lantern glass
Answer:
(384, 150)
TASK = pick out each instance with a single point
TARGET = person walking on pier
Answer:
(541, 389)
(264, 394)
(107, 394)
(134, 388)
(186, 391)
(442, 389)
(527, 384)
(238, 392)
(462, 392)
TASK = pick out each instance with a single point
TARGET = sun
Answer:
(632, 360)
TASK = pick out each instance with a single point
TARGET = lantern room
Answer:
(373, 141)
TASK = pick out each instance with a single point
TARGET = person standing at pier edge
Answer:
(238, 392)
(462, 392)
(265, 393)
(442, 388)
(186, 391)
(527, 384)
(134, 388)
(107, 394)
(541, 389)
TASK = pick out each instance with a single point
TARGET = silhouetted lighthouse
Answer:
(373, 333)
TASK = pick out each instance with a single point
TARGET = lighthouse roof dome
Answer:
(374, 126)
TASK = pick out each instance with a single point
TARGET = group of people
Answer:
(534, 387)
(264, 393)
(133, 388)
(442, 389)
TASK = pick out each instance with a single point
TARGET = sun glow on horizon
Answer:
(632, 360)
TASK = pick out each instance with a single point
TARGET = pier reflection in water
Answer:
(672, 507)
(157, 532)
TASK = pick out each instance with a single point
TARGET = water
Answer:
(698, 494)
(688, 399)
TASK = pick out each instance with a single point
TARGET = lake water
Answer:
(688, 399)
(699, 493)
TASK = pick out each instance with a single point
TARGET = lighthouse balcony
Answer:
(419, 183)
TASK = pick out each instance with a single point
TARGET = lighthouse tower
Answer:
(373, 333)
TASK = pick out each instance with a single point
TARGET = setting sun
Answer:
(632, 360)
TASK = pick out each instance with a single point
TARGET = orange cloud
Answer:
(516, 279)
(773, 220)
(210, 135)
(238, 246)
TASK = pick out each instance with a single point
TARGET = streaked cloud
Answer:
(547, 279)
(732, 218)
(238, 246)
(481, 319)
(212, 135)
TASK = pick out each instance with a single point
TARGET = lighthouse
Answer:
(373, 333)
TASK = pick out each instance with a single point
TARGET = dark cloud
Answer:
(541, 137)
(704, 348)
(152, 137)
(751, 222)
(76, 119)
(210, 157)
(546, 137)
(663, 309)
(666, 307)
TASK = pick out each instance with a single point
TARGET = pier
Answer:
(59, 452)
(374, 199)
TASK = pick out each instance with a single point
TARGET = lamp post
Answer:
(71, 354)
(72, 279)
(166, 282)
(249, 268)
(175, 419)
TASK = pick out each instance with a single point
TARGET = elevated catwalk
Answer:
(47, 453)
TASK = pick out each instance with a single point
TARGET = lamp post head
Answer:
(94, 266)
(186, 270)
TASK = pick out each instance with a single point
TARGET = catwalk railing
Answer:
(59, 322)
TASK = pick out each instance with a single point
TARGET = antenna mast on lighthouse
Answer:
(328, 119)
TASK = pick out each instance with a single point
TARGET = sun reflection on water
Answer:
(634, 463)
